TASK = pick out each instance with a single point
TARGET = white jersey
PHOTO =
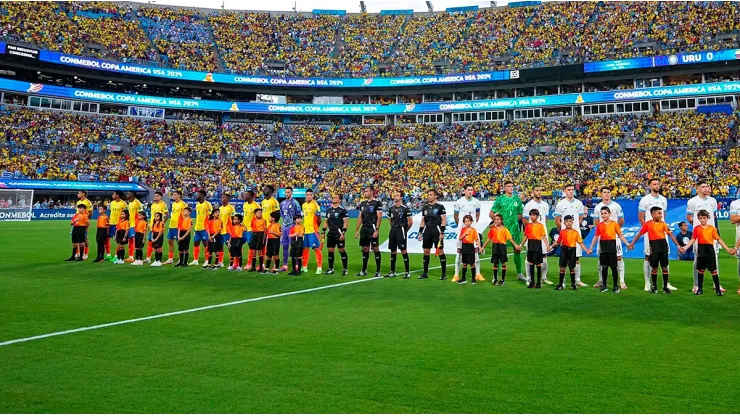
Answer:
(565, 207)
(735, 210)
(649, 201)
(615, 211)
(697, 204)
(542, 206)
(464, 207)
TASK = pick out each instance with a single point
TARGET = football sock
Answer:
(495, 272)
(377, 261)
(196, 252)
(304, 257)
(319, 258)
(443, 263)
(343, 255)
(393, 262)
(426, 263)
(665, 279)
(406, 261)
(518, 262)
(365, 258)
(330, 256)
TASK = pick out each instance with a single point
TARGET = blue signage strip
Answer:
(663, 60)
(396, 12)
(461, 9)
(329, 12)
(176, 74)
(2, 47)
(524, 3)
(375, 109)
(69, 185)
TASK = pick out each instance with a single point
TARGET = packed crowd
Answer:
(685, 146)
(367, 45)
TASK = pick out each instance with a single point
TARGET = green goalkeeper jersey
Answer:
(510, 207)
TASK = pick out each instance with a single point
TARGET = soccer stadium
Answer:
(202, 209)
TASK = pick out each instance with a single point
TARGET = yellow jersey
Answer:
(224, 214)
(203, 212)
(310, 220)
(177, 208)
(157, 207)
(88, 205)
(116, 208)
(268, 207)
(134, 207)
(249, 214)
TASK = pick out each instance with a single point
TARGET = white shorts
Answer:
(646, 240)
(619, 248)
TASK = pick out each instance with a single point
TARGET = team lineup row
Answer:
(302, 231)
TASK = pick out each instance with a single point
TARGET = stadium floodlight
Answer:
(16, 204)
(430, 7)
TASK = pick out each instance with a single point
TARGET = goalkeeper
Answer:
(510, 207)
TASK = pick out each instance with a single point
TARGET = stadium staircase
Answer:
(401, 31)
(216, 49)
(158, 55)
(338, 42)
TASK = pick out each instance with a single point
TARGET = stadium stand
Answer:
(369, 45)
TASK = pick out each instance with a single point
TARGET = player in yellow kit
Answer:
(225, 212)
(203, 210)
(82, 199)
(311, 240)
(250, 205)
(117, 206)
(172, 233)
(157, 207)
(134, 207)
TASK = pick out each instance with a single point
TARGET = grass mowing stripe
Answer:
(199, 309)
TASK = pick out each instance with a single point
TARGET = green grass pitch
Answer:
(388, 345)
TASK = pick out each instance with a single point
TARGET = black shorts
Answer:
(78, 235)
(296, 250)
(158, 242)
(366, 237)
(101, 235)
(236, 247)
(273, 247)
(183, 245)
(658, 259)
(608, 246)
(258, 241)
(568, 257)
(659, 246)
(139, 239)
(498, 254)
(333, 241)
(468, 259)
(397, 239)
(121, 236)
(215, 246)
(535, 256)
(432, 238)
(708, 263)
(608, 259)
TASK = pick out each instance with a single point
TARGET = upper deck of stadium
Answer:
(390, 44)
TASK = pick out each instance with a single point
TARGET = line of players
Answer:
(216, 227)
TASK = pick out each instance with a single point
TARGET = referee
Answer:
(399, 216)
(337, 219)
(431, 232)
(368, 227)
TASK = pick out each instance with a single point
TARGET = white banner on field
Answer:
(452, 232)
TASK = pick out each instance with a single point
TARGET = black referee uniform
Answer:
(335, 222)
(369, 220)
(433, 236)
(398, 236)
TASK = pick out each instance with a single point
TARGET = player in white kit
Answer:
(652, 199)
(467, 205)
(570, 206)
(702, 200)
(544, 208)
(616, 215)
(735, 219)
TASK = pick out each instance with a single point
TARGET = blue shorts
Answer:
(111, 231)
(247, 237)
(311, 241)
(220, 238)
(201, 235)
(225, 237)
(131, 233)
(172, 234)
